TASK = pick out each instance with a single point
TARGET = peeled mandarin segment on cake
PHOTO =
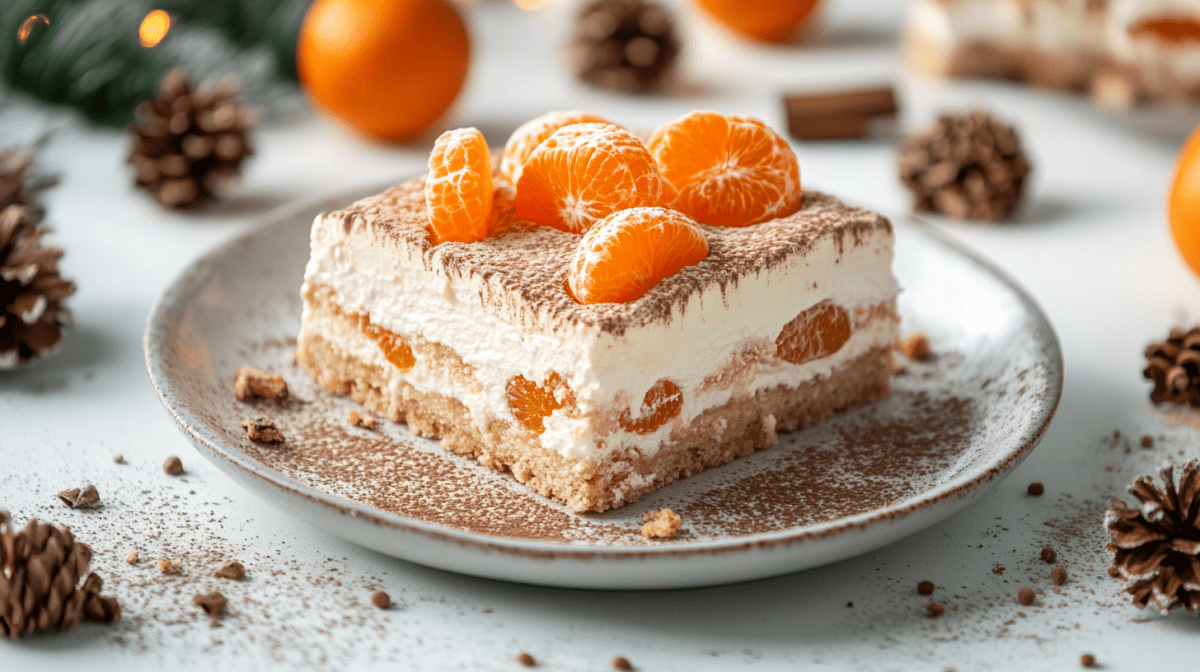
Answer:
(394, 347)
(458, 189)
(627, 253)
(817, 332)
(726, 170)
(584, 172)
(531, 403)
(661, 403)
(529, 135)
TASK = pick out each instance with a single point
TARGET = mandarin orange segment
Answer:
(394, 347)
(661, 403)
(584, 172)
(458, 189)
(630, 251)
(529, 135)
(817, 332)
(531, 403)
(726, 170)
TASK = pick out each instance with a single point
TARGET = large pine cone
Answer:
(40, 569)
(626, 45)
(1174, 366)
(967, 167)
(186, 142)
(31, 291)
(1156, 547)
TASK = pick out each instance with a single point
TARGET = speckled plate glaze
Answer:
(955, 426)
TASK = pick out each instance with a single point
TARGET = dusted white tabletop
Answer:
(1091, 245)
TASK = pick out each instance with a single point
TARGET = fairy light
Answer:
(154, 28)
(27, 25)
(531, 5)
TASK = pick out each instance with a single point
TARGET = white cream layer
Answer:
(371, 275)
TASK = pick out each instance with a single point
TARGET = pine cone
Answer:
(1157, 546)
(187, 143)
(967, 167)
(31, 292)
(1174, 366)
(40, 569)
(627, 45)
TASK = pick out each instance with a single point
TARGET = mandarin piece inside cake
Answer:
(598, 366)
(1122, 51)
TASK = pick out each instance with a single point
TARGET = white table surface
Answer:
(1091, 245)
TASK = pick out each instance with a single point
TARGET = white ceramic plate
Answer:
(955, 426)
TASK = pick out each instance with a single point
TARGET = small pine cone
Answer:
(626, 45)
(31, 291)
(967, 167)
(186, 142)
(40, 569)
(1174, 366)
(1156, 547)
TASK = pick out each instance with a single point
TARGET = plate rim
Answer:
(984, 476)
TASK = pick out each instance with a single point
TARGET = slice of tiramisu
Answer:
(486, 344)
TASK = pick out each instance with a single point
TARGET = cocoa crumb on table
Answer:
(935, 609)
(1087, 660)
(1037, 489)
(1147, 441)
(526, 659)
(1049, 555)
(660, 524)
(1026, 596)
(83, 496)
(380, 599)
(173, 466)
(925, 588)
(253, 385)
(1058, 575)
(622, 663)
(232, 569)
(118, 458)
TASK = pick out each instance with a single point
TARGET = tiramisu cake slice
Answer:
(601, 365)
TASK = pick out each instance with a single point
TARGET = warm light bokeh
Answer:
(531, 5)
(154, 28)
(27, 26)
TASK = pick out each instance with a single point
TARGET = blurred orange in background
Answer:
(767, 20)
(1183, 206)
(388, 69)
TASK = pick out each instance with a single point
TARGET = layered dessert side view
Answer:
(598, 315)
(1123, 52)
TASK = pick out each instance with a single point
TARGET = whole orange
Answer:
(1183, 207)
(767, 20)
(386, 68)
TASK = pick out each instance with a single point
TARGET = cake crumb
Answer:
(622, 663)
(1087, 660)
(916, 347)
(1058, 575)
(132, 558)
(660, 524)
(1147, 441)
(232, 569)
(1049, 555)
(86, 495)
(1026, 596)
(526, 659)
(935, 609)
(168, 566)
(998, 570)
(213, 604)
(262, 430)
(118, 458)
(173, 466)
(1037, 489)
(925, 588)
(364, 420)
(253, 385)
(849, 605)
(380, 599)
